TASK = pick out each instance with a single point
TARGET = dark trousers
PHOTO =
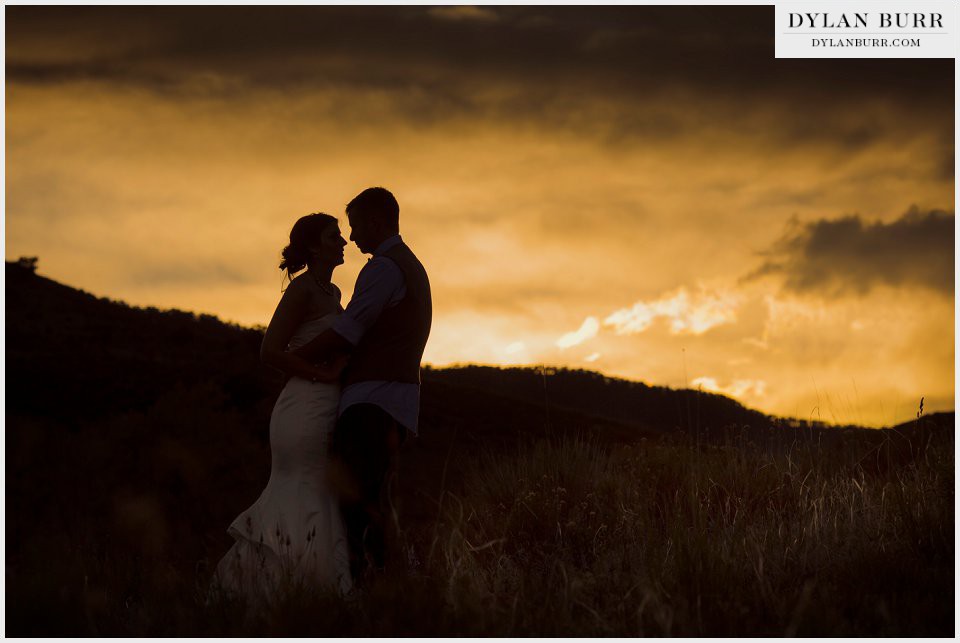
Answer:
(364, 452)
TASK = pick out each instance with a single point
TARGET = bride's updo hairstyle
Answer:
(306, 232)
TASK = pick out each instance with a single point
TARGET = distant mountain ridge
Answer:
(618, 400)
(103, 356)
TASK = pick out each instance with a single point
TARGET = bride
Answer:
(293, 535)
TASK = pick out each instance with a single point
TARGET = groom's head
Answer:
(374, 216)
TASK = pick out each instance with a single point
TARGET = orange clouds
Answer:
(587, 331)
(685, 314)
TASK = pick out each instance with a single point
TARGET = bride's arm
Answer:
(328, 345)
(289, 314)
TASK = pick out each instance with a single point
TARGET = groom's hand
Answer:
(330, 370)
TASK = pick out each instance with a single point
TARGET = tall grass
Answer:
(567, 537)
(710, 540)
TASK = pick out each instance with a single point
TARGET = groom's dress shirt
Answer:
(380, 285)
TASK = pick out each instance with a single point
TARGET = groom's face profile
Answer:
(363, 231)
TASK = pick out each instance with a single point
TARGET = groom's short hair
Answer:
(376, 202)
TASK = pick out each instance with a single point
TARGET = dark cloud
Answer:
(623, 76)
(624, 51)
(839, 256)
(464, 12)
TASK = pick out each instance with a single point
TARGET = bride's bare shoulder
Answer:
(299, 283)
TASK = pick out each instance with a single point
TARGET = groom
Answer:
(384, 330)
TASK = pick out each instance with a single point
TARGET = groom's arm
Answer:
(379, 284)
(323, 347)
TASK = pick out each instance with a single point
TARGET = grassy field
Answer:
(565, 537)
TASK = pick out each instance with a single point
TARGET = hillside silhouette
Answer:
(103, 356)
(146, 432)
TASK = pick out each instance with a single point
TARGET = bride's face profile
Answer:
(329, 252)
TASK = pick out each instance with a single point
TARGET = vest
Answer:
(392, 348)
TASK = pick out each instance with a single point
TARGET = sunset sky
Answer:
(642, 191)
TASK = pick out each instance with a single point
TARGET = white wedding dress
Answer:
(293, 535)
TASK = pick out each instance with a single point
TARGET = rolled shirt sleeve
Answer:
(380, 284)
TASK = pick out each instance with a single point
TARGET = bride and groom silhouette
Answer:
(352, 394)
